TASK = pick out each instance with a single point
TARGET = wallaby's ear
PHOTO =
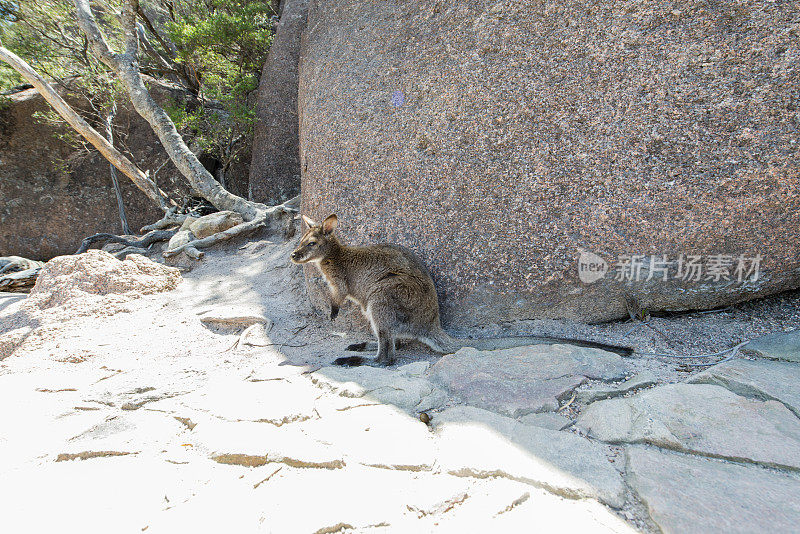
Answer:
(329, 224)
(309, 221)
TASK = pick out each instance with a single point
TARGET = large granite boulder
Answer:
(275, 167)
(499, 140)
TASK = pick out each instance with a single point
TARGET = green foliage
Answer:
(8, 78)
(45, 34)
(225, 42)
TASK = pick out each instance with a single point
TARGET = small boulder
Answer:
(216, 222)
(180, 239)
(99, 273)
(187, 223)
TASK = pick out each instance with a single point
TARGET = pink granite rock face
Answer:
(498, 140)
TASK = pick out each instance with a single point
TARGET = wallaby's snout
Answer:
(315, 244)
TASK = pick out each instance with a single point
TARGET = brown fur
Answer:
(395, 292)
(392, 287)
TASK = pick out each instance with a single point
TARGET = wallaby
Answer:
(396, 294)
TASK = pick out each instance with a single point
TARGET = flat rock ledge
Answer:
(561, 462)
(690, 495)
(777, 346)
(759, 379)
(403, 388)
(524, 380)
(700, 418)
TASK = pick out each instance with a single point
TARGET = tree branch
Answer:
(127, 69)
(97, 42)
(107, 122)
(144, 242)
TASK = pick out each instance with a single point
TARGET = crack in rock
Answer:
(516, 502)
(567, 493)
(249, 460)
(415, 468)
(86, 455)
(338, 527)
(256, 485)
(186, 422)
(441, 508)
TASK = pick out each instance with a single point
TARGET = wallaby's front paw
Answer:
(334, 311)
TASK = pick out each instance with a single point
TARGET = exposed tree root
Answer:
(20, 281)
(275, 213)
(191, 248)
(145, 241)
(170, 219)
(10, 264)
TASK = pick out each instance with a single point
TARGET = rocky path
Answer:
(212, 406)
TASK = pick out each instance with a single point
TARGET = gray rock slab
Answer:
(524, 380)
(763, 379)
(777, 346)
(375, 435)
(254, 444)
(688, 494)
(700, 418)
(550, 420)
(401, 388)
(639, 380)
(479, 443)
(230, 315)
(277, 402)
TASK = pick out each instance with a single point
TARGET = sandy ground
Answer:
(133, 415)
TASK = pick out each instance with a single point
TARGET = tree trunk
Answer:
(126, 67)
(117, 191)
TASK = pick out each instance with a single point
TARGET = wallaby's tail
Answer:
(519, 341)
(444, 343)
(440, 341)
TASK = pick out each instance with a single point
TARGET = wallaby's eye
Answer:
(311, 243)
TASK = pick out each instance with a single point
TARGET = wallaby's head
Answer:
(317, 242)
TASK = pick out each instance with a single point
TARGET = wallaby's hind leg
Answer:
(367, 346)
(386, 352)
(364, 346)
